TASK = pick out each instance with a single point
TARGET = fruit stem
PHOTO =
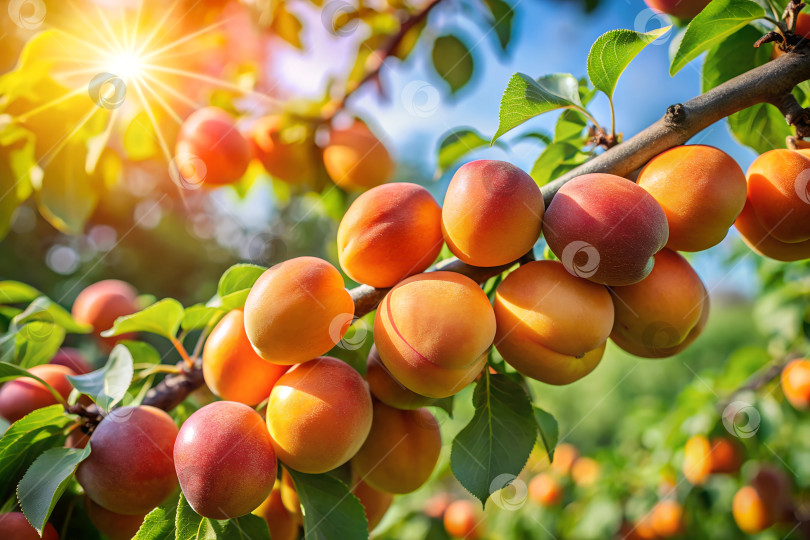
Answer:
(182, 351)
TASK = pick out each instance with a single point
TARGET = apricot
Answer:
(209, 135)
(545, 490)
(282, 524)
(750, 511)
(297, 310)
(662, 314)
(433, 332)
(387, 389)
(796, 383)
(605, 228)
(667, 518)
(14, 526)
(225, 460)
(436, 505)
(232, 369)
(702, 191)
(726, 456)
(355, 159)
(130, 469)
(375, 502)
(492, 213)
(101, 303)
(552, 325)
(585, 471)
(24, 395)
(77, 438)
(289, 497)
(463, 519)
(775, 488)
(401, 450)
(287, 161)
(565, 455)
(73, 359)
(682, 9)
(761, 242)
(389, 233)
(319, 415)
(697, 463)
(113, 526)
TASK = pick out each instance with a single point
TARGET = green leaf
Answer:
(717, 21)
(541, 136)
(45, 309)
(613, 51)
(331, 511)
(557, 159)
(570, 126)
(548, 430)
(525, 98)
(238, 278)
(502, 18)
(199, 316)
(761, 127)
(17, 165)
(162, 318)
(14, 292)
(457, 143)
(192, 526)
(453, 61)
(46, 481)
(108, 385)
(159, 523)
(498, 439)
(732, 57)
(142, 353)
(37, 342)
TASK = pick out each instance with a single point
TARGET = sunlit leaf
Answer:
(453, 61)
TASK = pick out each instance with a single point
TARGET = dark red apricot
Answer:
(387, 389)
(24, 395)
(73, 359)
(355, 159)
(14, 526)
(101, 303)
(682, 9)
(113, 526)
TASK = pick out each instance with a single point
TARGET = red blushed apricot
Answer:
(656, 316)
(463, 519)
(545, 490)
(297, 310)
(209, 135)
(101, 303)
(552, 326)
(225, 460)
(355, 159)
(779, 194)
(376, 503)
(492, 213)
(282, 524)
(401, 450)
(290, 162)
(682, 9)
(387, 389)
(726, 456)
(796, 383)
(389, 233)
(433, 331)
(436, 505)
(232, 369)
(113, 526)
(24, 395)
(763, 243)
(319, 415)
(130, 469)
(14, 526)
(77, 438)
(702, 191)
(73, 359)
(750, 511)
(605, 228)
(667, 518)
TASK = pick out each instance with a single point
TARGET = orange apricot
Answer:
(101, 303)
(552, 325)
(389, 233)
(697, 463)
(436, 505)
(14, 526)
(757, 237)
(113, 526)
(319, 415)
(282, 524)
(726, 456)
(586, 471)
(401, 450)
(355, 159)
(565, 455)
(667, 518)
(795, 381)
(433, 332)
(375, 502)
(297, 310)
(289, 497)
(662, 314)
(24, 395)
(232, 369)
(463, 519)
(72, 358)
(750, 511)
(545, 490)
(289, 161)
(682, 9)
(492, 213)
(387, 389)
(702, 191)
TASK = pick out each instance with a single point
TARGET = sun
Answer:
(127, 65)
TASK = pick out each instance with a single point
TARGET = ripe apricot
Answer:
(210, 150)
(225, 460)
(14, 526)
(667, 518)
(702, 191)
(605, 228)
(389, 233)
(585, 471)
(375, 502)
(289, 161)
(355, 159)
(130, 469)
(726, 456)
(682, 9)
(663, 313)
(565, 455)
(492, 213)
(401, 450)
(232, 369)
(760, 241)
(289, 497)
(697, 463)
(436, 505)
(433, 331)
(387, 389)
(113, 526)
(73, 359)
(319, 415)
(775, 488)
(463, 519)
(750, 511)
(101, 303)
(77, 438)
(796, 383)
(552, 325)
(283, 525)
(24, 395)
(297, 310)
(545, 490)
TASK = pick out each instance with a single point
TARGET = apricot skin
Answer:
(761, 242)
(667, 518)
(297, 310)
(282, 524)
(795, 381)
(664, 312)
(605, 228)
(112, 525)
(462, 519)
(130, 468)
(552, 326)
(14, 526)
(24, 395)
(433, 331)
(702, 191)
(401, 450)
(225, 460)
(355, 159)
(492, 213)
(101, 303)
(750, 511)
(232, 369)
(319, 415)
(387, 389)
(73, 359)
(545, 490)
(375, 502)
(389, 233)
(290, 162)
(683, 9)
